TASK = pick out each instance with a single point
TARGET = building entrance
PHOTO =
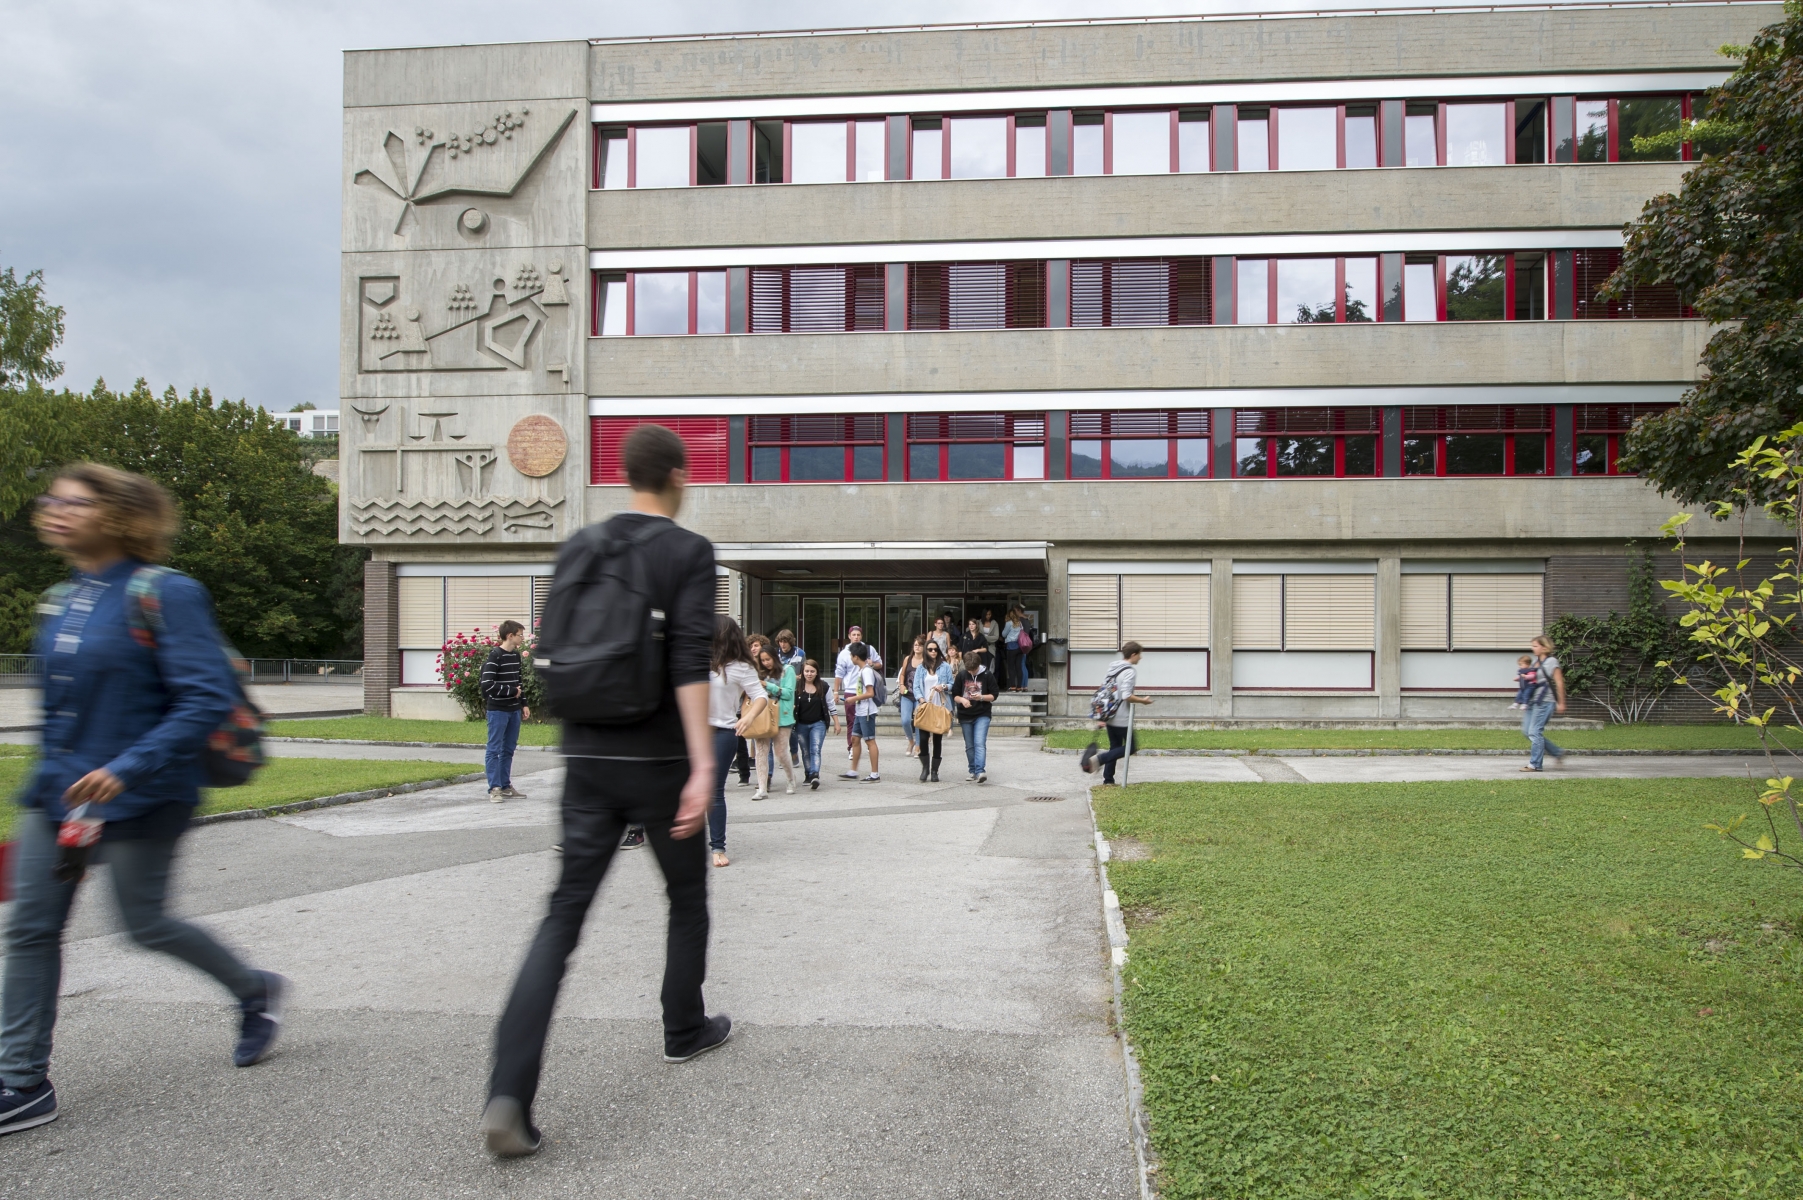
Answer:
(891, 612)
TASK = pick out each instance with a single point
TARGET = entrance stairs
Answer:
(1015, 714)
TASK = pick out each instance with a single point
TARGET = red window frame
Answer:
(1272, 424)
(786, 433)
(706, 439)
(632, 300)
(1610, 422)
(767, 285)
(1436, 423)
(1010, 430)
(1105, 428)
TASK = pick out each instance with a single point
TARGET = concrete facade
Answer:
(476, 390)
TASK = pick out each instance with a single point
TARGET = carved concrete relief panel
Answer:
(439, 177)
(426, 470)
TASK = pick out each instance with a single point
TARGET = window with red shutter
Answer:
(704, 437)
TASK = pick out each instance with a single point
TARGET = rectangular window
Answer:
(479, 603)
(1645, 117)
(1165, 612)
(767, 152)
(872, 143)
(1305, 290)
(1598, 430)
(979, 147)
(817, 152)
(1095, 611)
(1530, 287)
(1253, 140)
(1361, 135)
(1592, 131)
(660, 302)
(1476, 135)
(705, 438)
(662, 156)
(1140, 291)
(1530, 130)
(1278, 442)
(816, 449)
(1329, 612)
(1420, 296)
(1474, 287)
(1142, 143)
(975, 446)
(610, 158)
(1307, 138)
(976, 295)
(1192, 140)
(1087, 133)
(420, 600)
(1252, 291)
(710, 153)
(1592, 268)
(1424, 608)
(1361, 289)
(1139, 445)
(1030, 146)
(1476, 439)
(1495, 612)
(817, 299)
(1421, 136)
(927, 154)
(1258, 612)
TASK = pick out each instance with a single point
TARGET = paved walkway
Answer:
(19, 706)
(918, 976)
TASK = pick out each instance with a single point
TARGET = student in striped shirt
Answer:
(502, 697)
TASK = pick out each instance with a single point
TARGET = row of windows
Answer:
(1035, 294)
(1266, 443)
(1224, 137)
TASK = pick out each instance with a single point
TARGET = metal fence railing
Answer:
(22, 670)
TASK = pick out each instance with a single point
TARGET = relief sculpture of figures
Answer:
(458, 333)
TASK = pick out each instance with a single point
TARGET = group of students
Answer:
(770, 704)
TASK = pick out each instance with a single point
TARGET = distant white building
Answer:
(317, 422)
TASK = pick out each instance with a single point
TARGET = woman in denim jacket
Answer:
(132, 689)
(932, 685)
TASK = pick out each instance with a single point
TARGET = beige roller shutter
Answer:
(723, 595)
(1424, 612)
(1258, 612)
(478, 603)
(1495, 612)
(1329, 612)
(541, 591)
(1169, 611)
(421, 602)
(1095, 612)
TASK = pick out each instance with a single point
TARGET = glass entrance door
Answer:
(820, 630)
(952, 609)
(902, 617)
(866, 612)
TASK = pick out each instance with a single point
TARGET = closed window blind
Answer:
(1258, 612)
(1424, 612)
(968, 295)
(421, 603)
(1495, 612)
(1168, 611)
(817, 299)
(1140, 291)
(704, 438)
(1095, 612)
(1329, 612)
(476, 604)
(723, 595)
(541, 591)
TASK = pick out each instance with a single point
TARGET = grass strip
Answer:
(1612, 737)
(281, 781)
(391, 729)
(1473, 989)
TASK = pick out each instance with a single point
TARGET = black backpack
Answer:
(601, 650)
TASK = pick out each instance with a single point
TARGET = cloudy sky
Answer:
(174, 163)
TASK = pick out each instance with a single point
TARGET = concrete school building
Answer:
(1272, 343)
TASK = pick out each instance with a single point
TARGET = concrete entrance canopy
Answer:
(904, 559)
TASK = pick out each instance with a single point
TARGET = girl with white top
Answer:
(731, 680)
(932, 685)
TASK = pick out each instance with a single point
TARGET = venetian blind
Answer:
(1095, 612)
(1424, 612)
(1258, 612)
(478, 603)
(1329, 612)
(723, 595)
(1169, 611)
(421, 603)
(1140, 291)
(1495, 612)
(541, 591)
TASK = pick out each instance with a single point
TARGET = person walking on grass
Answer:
(779, 683)
(1548, 698)
(974, 692)
(503, 696)
(1109, 708)
(735, 697)
(657, 770)
(813, 711)
(136, 679)
(864, 709)
(932, 685)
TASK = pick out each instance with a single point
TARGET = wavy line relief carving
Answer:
(390, 518)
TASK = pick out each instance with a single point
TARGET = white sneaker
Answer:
(759, 794)
(848, 775)
(791, 787)
(873, 777)
(982, 777)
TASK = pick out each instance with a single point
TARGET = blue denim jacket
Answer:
(144, 714)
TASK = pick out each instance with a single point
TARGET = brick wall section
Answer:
(381, 620)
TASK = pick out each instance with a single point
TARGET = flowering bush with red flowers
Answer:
(460, 666)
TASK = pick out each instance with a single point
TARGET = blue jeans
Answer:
(1533, 726)
(503, 736)
(976, 743)
(1117, 750)
(34, 938)
(725, 740)
(813, 737)
(1024, 672)
(907, 720)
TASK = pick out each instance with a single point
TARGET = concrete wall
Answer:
(1212, 356)
(1224, 203)
(1175, 51)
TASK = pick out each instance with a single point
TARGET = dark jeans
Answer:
(601, 797)
(503, 736)
(1010, 667)
(1117, 750)
(740, 757)
(724, 740)
(34, 937)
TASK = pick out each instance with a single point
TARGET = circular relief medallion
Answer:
(536, 445)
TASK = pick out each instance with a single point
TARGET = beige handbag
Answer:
(932, 718)
(767, 724)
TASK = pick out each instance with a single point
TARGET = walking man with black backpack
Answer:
(623, 650)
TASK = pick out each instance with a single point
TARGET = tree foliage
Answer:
(1626, 663)
(1731, 242)
(259, 529)
(30, 328)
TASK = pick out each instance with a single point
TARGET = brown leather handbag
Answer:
(932, 718)
(767, 724)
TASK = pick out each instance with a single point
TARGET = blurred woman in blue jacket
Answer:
(133, 686)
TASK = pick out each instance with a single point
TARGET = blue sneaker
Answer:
(262, 1022)
(25, 1108)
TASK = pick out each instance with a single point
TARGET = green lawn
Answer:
(282, 781)
(388, 729)
(1610, 737)
(1476, 989)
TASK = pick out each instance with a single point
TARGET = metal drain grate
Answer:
(1044, 799)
